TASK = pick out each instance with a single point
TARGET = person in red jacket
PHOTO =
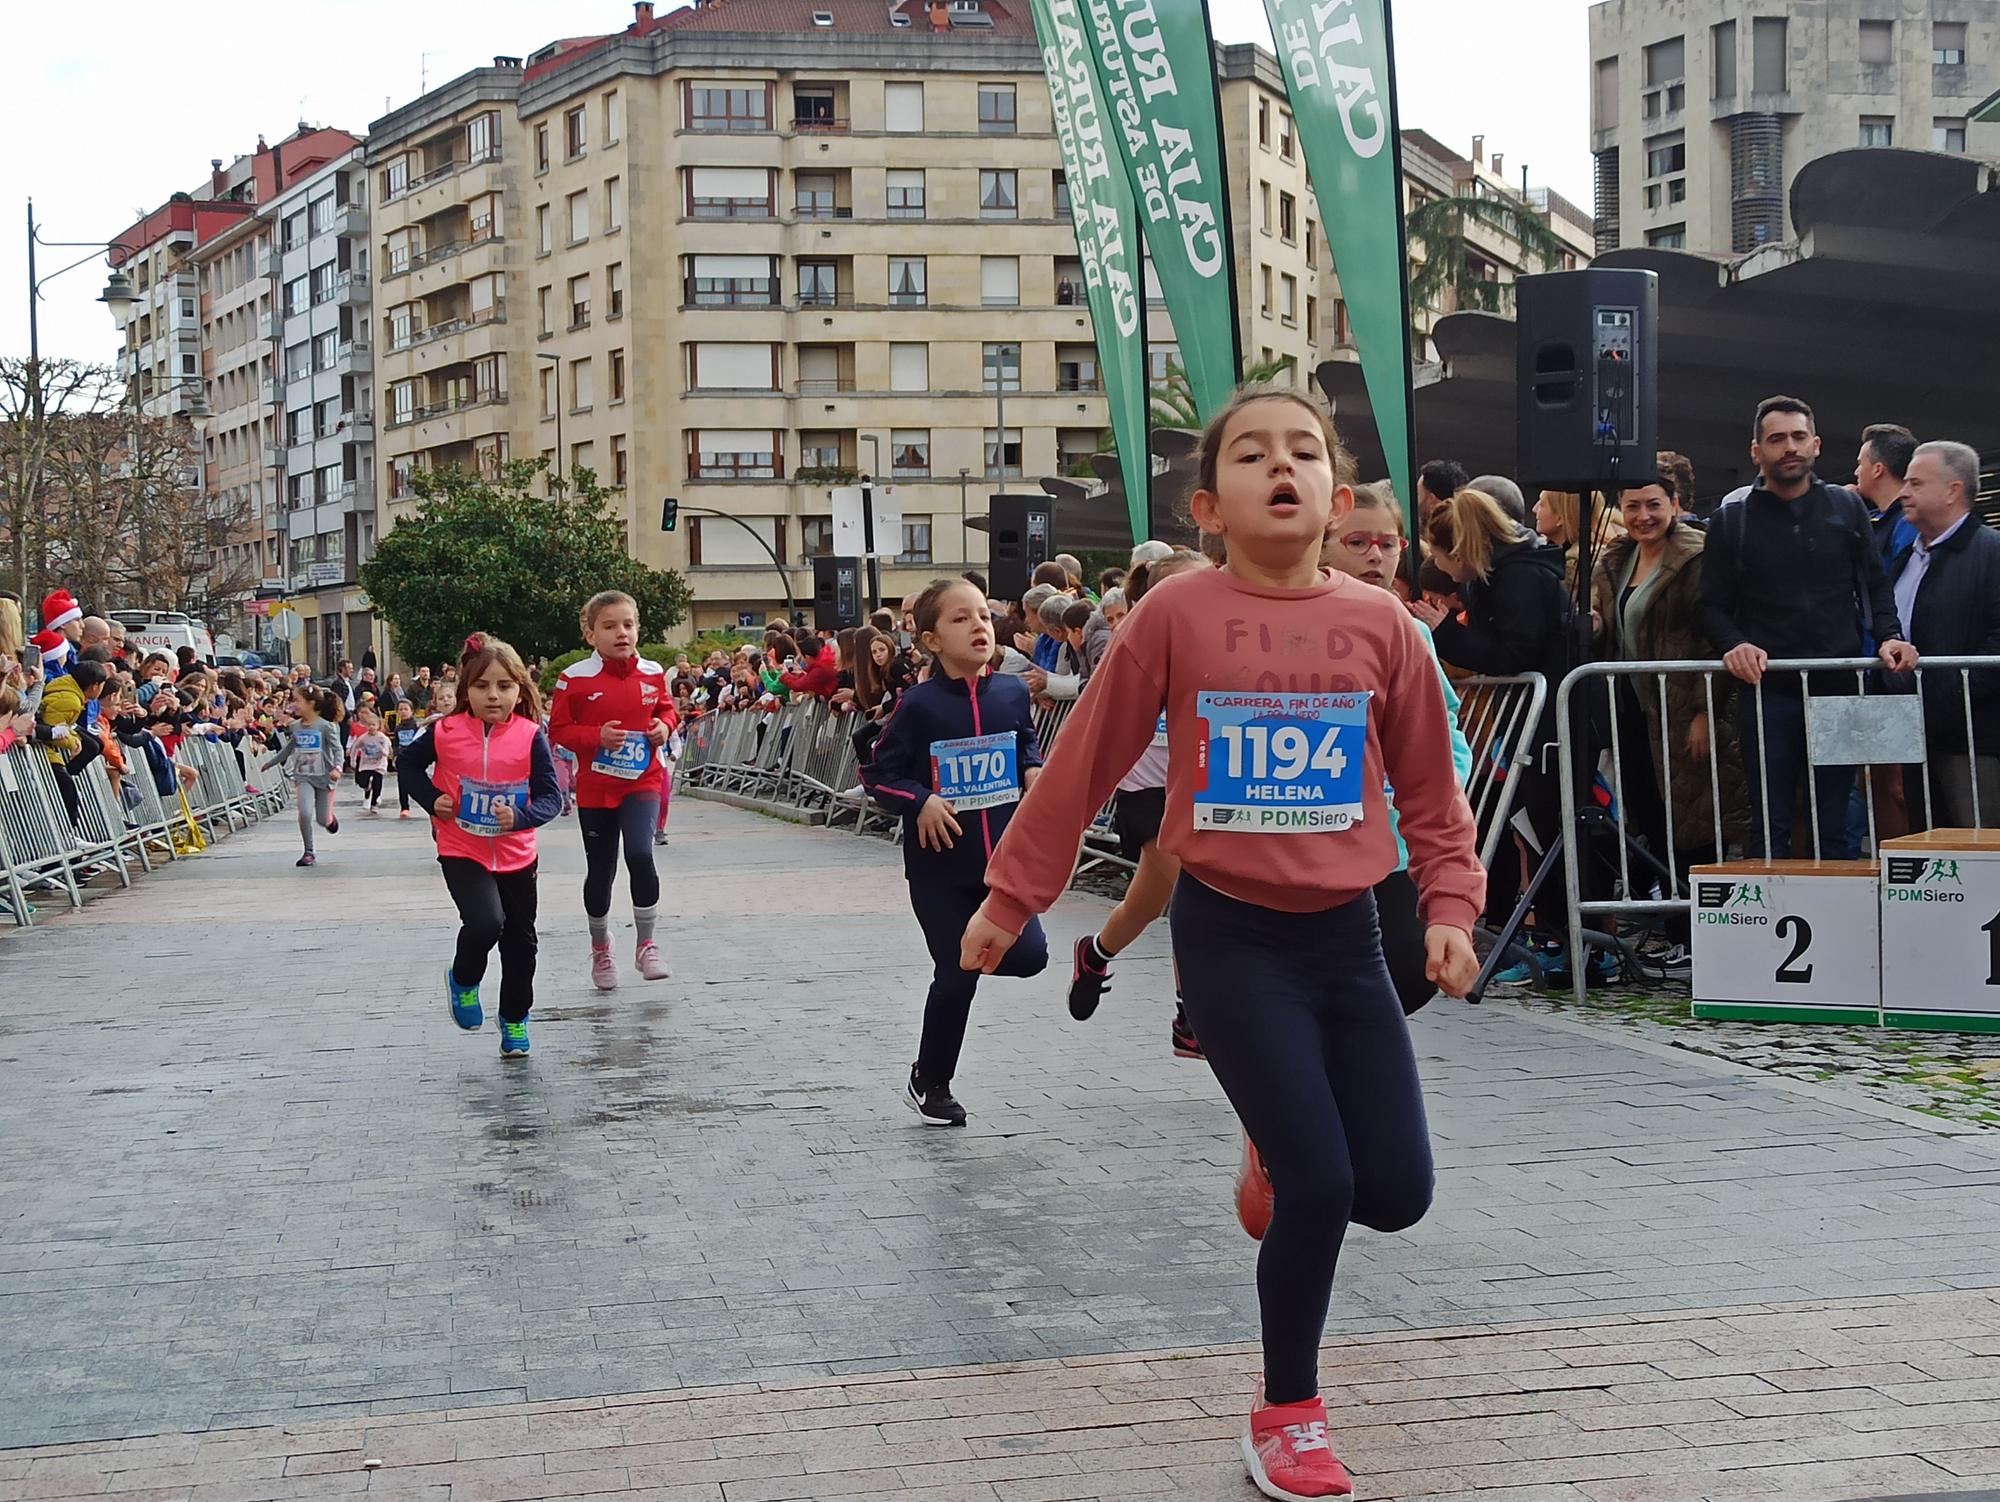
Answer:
(614, 711)
(815, 672)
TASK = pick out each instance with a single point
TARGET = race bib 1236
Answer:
(629, 761)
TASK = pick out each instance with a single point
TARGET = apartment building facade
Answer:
(1703, 111)
(444, 247)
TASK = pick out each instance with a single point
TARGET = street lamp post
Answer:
(964, 542)
(556, 361)
(117, 297)
(874, 443)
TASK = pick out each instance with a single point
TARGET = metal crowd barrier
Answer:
(1880, 724)
(802, 762)
(45, 850)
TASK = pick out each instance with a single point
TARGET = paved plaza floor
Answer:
(266, 1217)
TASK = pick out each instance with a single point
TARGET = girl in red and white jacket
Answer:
(487, 776)
(615, 711)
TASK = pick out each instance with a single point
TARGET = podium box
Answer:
(1787, 941)
(1941, 930)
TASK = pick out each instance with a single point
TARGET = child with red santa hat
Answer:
(62, 629)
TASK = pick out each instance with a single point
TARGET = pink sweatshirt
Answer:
(1210, 632)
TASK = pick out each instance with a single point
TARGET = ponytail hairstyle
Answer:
(326, 704)
(1144, 576)
(483, 651)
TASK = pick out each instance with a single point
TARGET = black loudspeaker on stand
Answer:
(836, 593)
(1019, 539)
(1587, 365)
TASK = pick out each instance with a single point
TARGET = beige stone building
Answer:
(1702, 113)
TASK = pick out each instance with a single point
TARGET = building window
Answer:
(298, 295)
(614, 205)
(733, 454)
(1878, 130)
(1076, 367)
(1288, 218)
(616, 374)
(582, 456)
(403, 401)
(579, 301)
(1060, 191)
(999, 193)
(1948, 44)
(1948, 135)
(579, 217)
(548, 378)
(486, 381)
(1878, 41)
(294, 233)
(402, 325)
(1000, 281)
(545, 311)
(729, 192)
(907, 285)
(1264, 123)
(613, 112)
(541, 148)
(614, 291)
(812, 195)
(1604, 97)
(545, 234)
(1288, 299)
(326, 348)
(320, 213)
(1285, 134)
(903, 108)
(1312, 319)
(1268, 301)
(1767, 55)
(1160, 360)
(916, 540)
(909, 453)
(909, 367)
(1666, 154)
(996, 109)
(576, 139)
(1000, 367)
(1264, 207)
(1677, 190)
(1001, 465)
(906, 193)
(1668, 237)
(819, 451)
(819, 283)
(618, 459)
(581, 395)
(723, 107)
(815, 110)
(815, 534)
(1722, 52)
(396, 178)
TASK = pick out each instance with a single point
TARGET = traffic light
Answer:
(670, 514)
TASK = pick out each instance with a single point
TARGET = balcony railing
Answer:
(820, 125)
(730, 208)
(824, 385)
(707, 292)
(823, 211)
(497, 314)
(809, 299)
(445, 408)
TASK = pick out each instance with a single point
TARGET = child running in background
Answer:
(486, 774)
(953, 761)
(1135, 817)
(407, 731)
(1293, 697)
(614, 711)
(1368, 545)
(371, 761)
(311, 756)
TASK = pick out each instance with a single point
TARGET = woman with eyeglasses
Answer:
(1368, 544)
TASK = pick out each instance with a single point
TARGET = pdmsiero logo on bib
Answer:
(1280, 763)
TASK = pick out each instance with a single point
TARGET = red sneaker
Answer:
(1287, 1452)
(1253, 1192)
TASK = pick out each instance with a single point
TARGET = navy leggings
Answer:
(943, 909)
(605, 830)
(1300, 1022)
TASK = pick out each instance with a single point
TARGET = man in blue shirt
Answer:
(1884, 459)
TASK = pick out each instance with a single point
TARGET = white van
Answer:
(164, 631)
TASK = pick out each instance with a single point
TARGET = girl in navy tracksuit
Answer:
(953, 761)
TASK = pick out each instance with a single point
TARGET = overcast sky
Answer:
(110, 110)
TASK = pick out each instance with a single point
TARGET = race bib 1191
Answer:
(629, 761)
(978, 771)
(1280, 763)
(479, 804)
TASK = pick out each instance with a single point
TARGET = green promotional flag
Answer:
(1107, 241)
(1336, 61)
(1157, 71)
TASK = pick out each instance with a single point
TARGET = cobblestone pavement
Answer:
(261, 1180)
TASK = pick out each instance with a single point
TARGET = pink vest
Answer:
(498, 760)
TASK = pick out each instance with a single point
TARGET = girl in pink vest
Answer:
(486, 773)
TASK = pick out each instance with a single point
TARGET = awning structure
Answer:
(1886, 308)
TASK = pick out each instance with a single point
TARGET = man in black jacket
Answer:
(1947, 586)
(1790, 571)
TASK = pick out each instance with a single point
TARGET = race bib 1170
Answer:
(1280, 763)
(978, 771)
(629, 761)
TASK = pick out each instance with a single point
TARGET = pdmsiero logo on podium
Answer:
(1917, 878)
(1734, 903)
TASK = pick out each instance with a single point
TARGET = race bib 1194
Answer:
(978, 771)
(1280, 763)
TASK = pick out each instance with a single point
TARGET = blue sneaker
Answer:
(464, 1003)
(1605, 969)
(513, 1040)
(1516, 974)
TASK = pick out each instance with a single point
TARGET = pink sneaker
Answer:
(652, 964)
(1286, 1449)
(603, 969)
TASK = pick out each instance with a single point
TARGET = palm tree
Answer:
(1448, 278)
